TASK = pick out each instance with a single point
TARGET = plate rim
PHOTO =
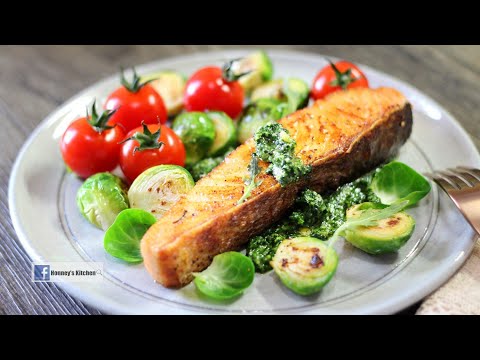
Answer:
(95, 299)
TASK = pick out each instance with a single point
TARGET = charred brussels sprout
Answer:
(388, 235)
(305, 264)
(158, 188)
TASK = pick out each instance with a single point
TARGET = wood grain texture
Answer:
(34, 80)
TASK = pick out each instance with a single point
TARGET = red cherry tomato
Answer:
(148, 154)
(136, 102)
(341, 75)
(87, 151)
(207, 90)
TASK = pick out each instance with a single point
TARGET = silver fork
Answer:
(462, 184)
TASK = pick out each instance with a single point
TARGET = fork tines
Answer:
(462, 184)
(456, 179)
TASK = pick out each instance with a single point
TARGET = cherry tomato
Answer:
(333, 77)
(142, 149)
(207, 90)
(88, 146)
(136, 102)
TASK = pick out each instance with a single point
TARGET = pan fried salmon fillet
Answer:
(342, 137)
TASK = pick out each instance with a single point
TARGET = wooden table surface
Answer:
(34, 80)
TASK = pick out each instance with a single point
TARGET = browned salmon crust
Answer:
(342, 137)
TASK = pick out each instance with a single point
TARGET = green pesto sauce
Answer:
(274, 144)
(312, 215)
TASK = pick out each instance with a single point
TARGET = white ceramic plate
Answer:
(43, 210)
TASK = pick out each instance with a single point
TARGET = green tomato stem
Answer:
(342, 79)
(99, 123)
(135, 85)
(147, 140)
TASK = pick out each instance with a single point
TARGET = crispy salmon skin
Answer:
(342, 137)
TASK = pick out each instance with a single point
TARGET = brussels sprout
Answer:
(257, 114)
(388, 235)
(158, 188)
(101, 198)
(270, 90)
(225, 133)
(171, 86)
(250, 71)
(305, 264)
(295, 91)
(197, 132)
(227, 276)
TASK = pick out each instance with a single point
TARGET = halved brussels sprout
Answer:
(270, 90)
(171, 86)
(101, 198)
(389, 235)
(197, 132)
(295, 91)
(256, 115)
(225, 133)
(304, 264)
(158, 188)
(251, 70)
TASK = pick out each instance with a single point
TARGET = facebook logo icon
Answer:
(41, 272)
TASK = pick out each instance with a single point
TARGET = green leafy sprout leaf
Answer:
(122, 239)
(227, 277)
(396, 182)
